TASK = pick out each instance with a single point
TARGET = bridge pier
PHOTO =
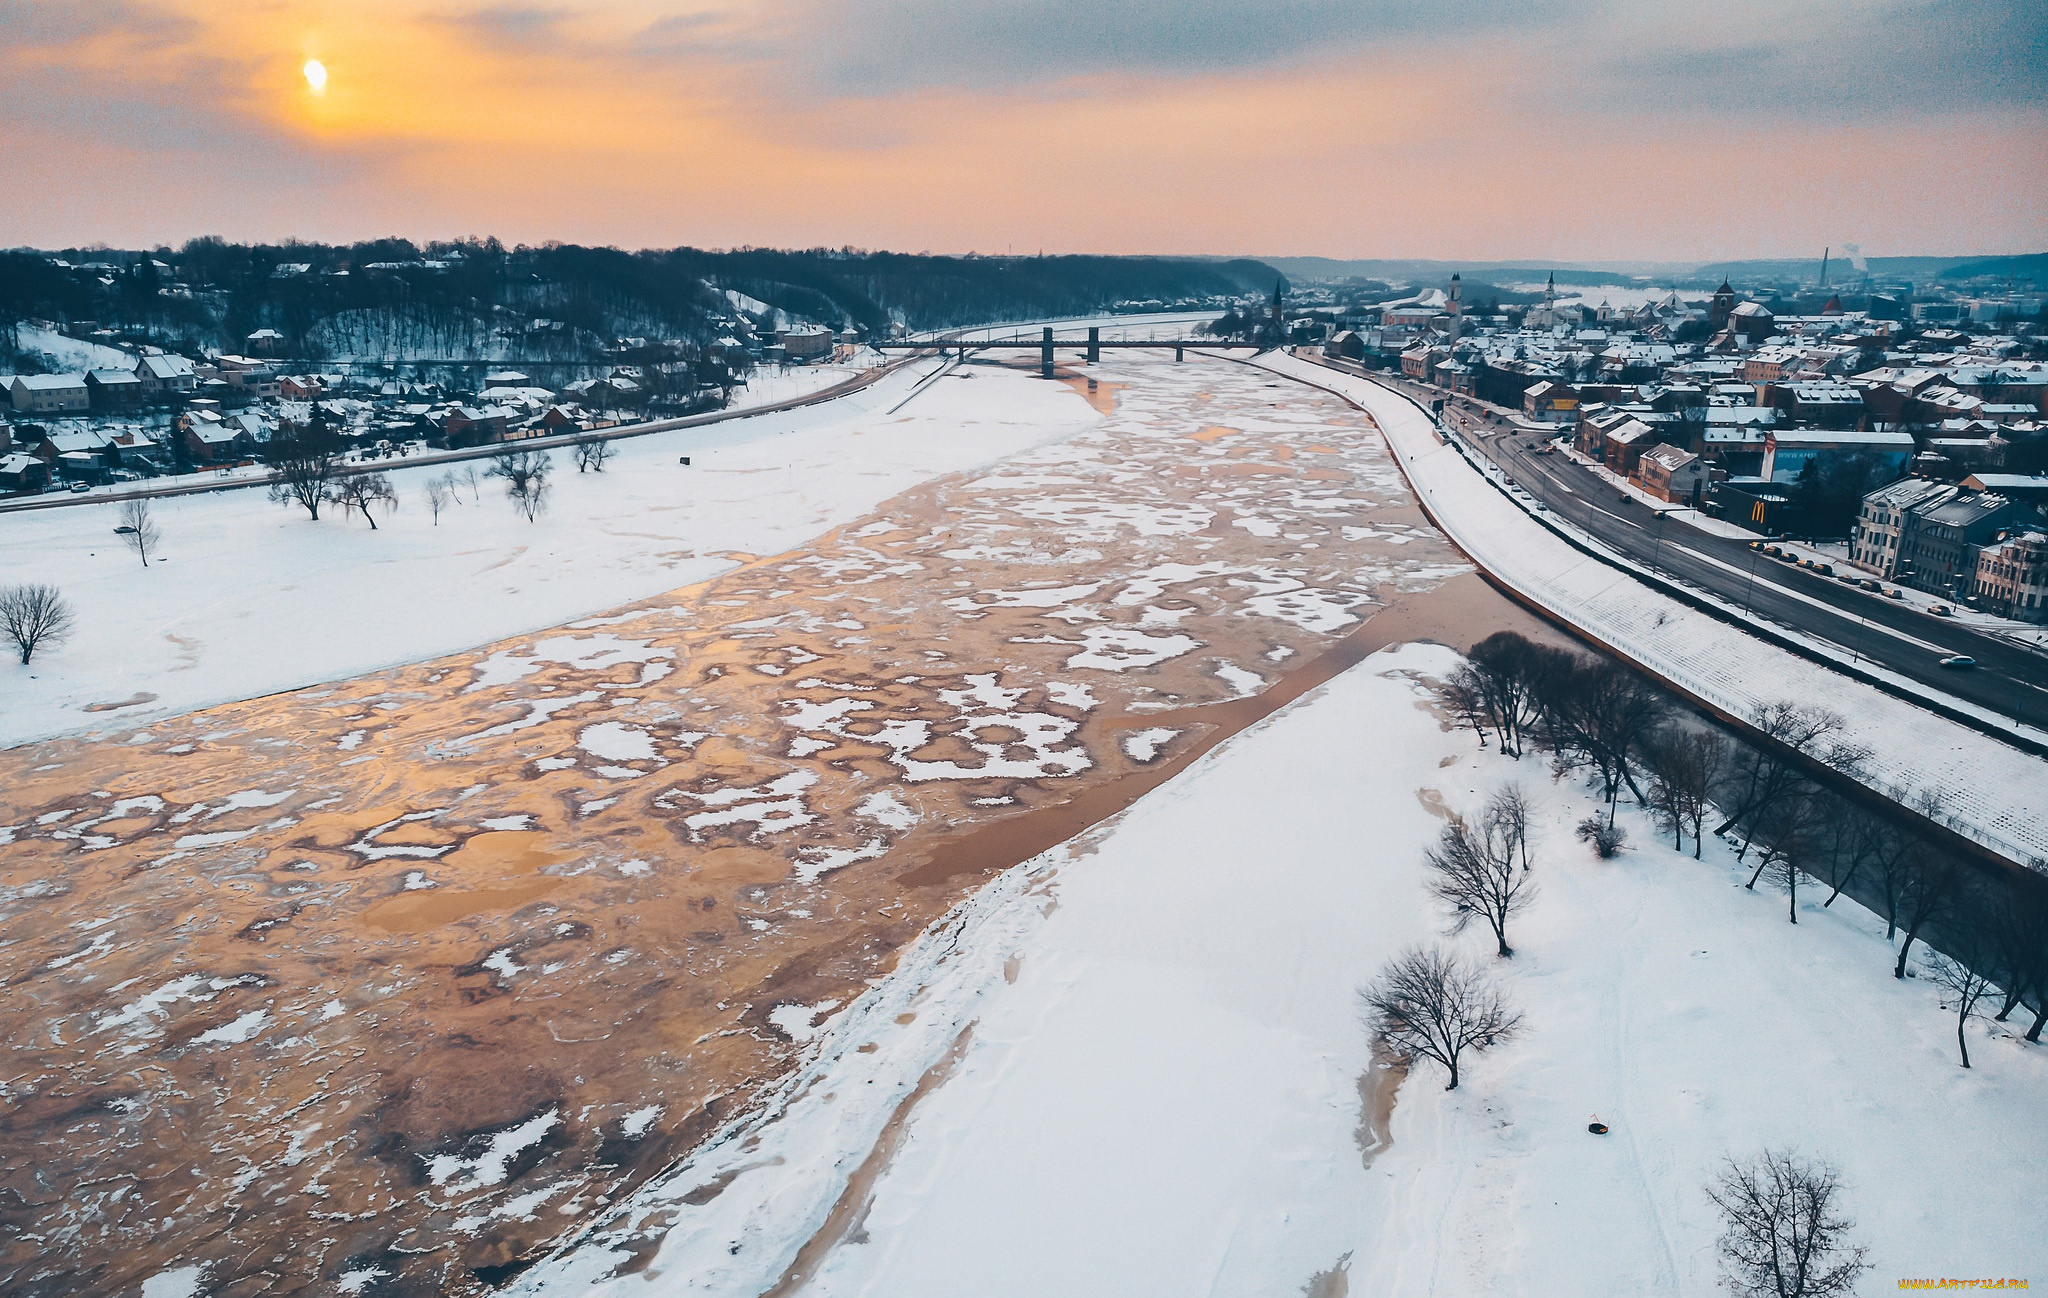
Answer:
(1094, 344)
(1045, 354)
(1177, 353)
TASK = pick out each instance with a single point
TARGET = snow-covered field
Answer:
(1134, 1066)
(249, 597)
(67, 354)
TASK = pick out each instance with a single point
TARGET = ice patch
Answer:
(886, 808)
(1242, 683)
(1069, 695)
(230, 1034)
(182, 1283)
(537, 712)
(1144, 745)
(586, 653)
(801, 1022)
(814, 863)
(1049, 597)
(490, 1166)
(1121, 649)
(212, 840)
(616, 742)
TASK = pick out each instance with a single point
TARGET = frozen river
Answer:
(405, 975)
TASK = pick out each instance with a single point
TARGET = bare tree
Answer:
(1685, 768)
(1766, 773)
(440, 494)
(526, 479)
(305, 462)
(1429, 1004)
(1792, 830)
(592, 453)
(1927, 896)
(1474, 873)
(2019, 941)
(361, 491)
(1510, 676)
(1967, 984)
(138, 528)
(469, 479)
(1465, 694)
(1602, 718)
(1505, 824)
(1783, 1234)
(34, 617)
(1859, 839)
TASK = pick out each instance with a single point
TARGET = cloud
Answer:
(889, 47)
(1755, 58)
(55, 24)
(512, 25)
(1840, 62)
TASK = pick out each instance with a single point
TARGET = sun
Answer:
(316, 76)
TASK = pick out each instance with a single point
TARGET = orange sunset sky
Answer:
(1578, 129)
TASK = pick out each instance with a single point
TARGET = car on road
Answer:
(1893, 592)
(1959, 660)
(1942, 610)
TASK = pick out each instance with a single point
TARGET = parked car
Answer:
(1942, 610)
(1959, 660)
(1893, 592)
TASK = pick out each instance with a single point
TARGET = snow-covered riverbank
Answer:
(1133, 1066)
(1985, 789)
(247, 597)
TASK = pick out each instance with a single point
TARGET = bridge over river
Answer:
(1046, 343)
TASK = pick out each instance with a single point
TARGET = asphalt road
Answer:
(2009, 678)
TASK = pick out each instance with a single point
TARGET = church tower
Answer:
(1724, 306)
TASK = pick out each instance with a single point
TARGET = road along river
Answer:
(394, 980)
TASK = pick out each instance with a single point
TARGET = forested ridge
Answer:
(477, 297)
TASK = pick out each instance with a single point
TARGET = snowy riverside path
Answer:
(1984, 789)
(393, 980)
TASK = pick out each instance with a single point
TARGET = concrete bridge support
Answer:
(1045, 354)
(1094, 344)
(1177, 353)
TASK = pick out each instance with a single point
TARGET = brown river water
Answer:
(399, 979)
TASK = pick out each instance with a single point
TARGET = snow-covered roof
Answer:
(165, 365)
(50, 382)
(1844, 439)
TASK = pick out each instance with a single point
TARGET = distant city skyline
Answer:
(1581, 130)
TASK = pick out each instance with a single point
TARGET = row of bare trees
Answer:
(1764, 795)
(309, 473)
